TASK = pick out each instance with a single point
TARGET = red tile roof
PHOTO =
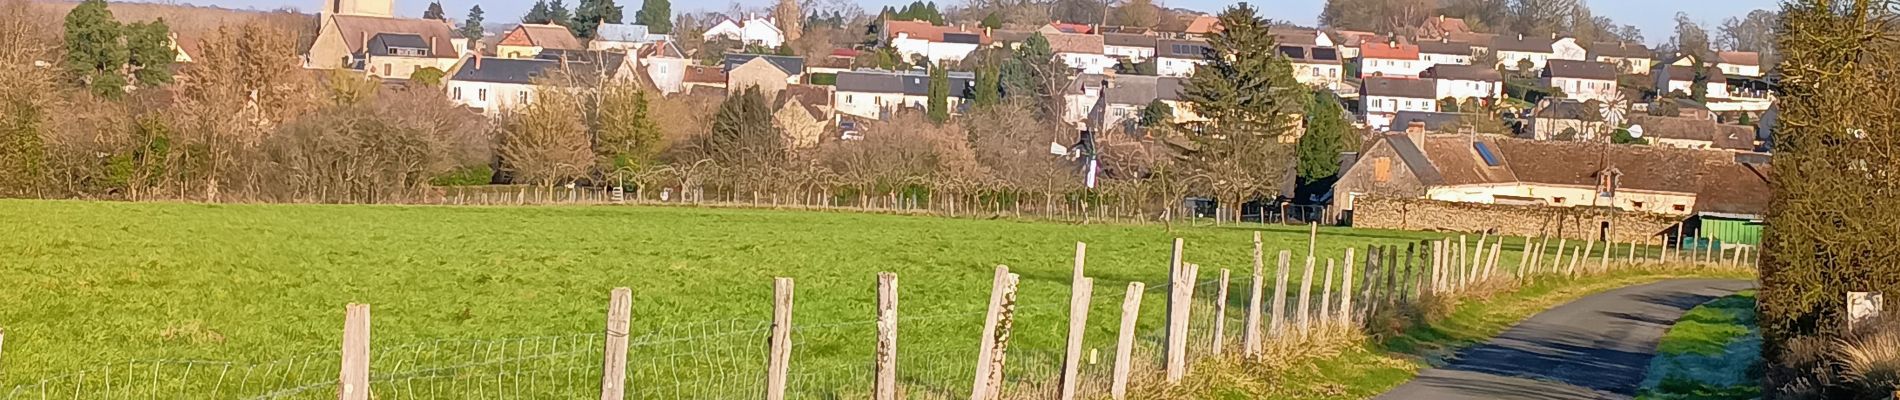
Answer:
(925, 31)
(1386, 51)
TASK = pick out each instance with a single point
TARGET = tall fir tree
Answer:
(149, 52)
(1245, 86)
(435, 12)
(657, 15)
(472, 27)
(938, 95)
(558, 14)
(742, 130)
(94, 53)
(1032, 74)
(1325, 138)
(591, 13)
(989, 87)
(538, 14)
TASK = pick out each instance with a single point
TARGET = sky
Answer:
(1655, 17)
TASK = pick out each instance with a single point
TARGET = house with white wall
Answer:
(665, 66)
(1739, 63)
(1680, 76)
(1538, 50)
(623, 37)
(1444, 51)
(753, 30)
(495, 85)
(872, 94)
(1317, 66)
(936, 43)
(1630, 58)
(1381, 98)
(1086, 53)
(1390, 58)
(1178, 58)
(1129, 46)
(1127, 96)
(1582, 80)
(1466, 82)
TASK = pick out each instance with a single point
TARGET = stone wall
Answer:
(1580, 223)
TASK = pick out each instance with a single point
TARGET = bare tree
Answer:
(545, 142)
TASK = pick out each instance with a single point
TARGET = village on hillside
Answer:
(1438, 112)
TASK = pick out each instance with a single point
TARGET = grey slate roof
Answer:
(1444, 47)
(1580, 70)
(1434, 121)
(1401, 87)
(381, 44)
(1130, 89)
(908, 82)
(1522, 43)
(791, 65)
(1310, 54)
(504, 70)
(1129, 40)
(1620, 50)
(1189, 49)
(1415, 160)
(1462, 73)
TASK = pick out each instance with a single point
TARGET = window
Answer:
(457, 93)
(386, 69)
(1317, 71)
(847, 98)
(481, 94)
(1680, 207)
(521, 97)
(1556, 200)
(1381, 169)
(1378, 103)
(1636, 204)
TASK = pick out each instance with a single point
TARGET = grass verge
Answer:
(1712, 353)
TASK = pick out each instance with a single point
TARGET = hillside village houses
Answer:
(1178, 58)
(752, 30)
(769, 73)
(1128, 46)
(872, 94)
(1630, 58)
(1390, 58)
(1084, 52)
(1382, 98)
(1444, 51)
(1127, 96)
(935, 43)
(624, 37)
(1536, 49)
(1473, 84)
(352, 32)
(530, 40)
(1582, 80)
(1316, 66)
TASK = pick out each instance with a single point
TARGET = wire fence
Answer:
(938, 349)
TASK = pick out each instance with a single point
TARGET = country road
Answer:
(1594, 348)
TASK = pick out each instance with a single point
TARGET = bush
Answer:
(475, 175)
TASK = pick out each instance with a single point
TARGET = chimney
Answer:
(1520, 37)
(478, 59)
(431, 45)
(1415, 131)
(1553, 36)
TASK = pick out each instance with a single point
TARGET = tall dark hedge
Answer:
(1835, 216)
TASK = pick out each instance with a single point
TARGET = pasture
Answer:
(93, 285)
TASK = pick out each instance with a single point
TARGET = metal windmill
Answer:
(1616, 109)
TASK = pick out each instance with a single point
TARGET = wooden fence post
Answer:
(1557, 264)
(1631, 260)
(1477, 257)
(1306, 289)
(779, 361)
(1438, 267)
(1459, 259)
(1603, 264)
(1345, 293)
(1575, 253)
(886, 369)
(613, 374)
(1125, 342)
(1175, 268)
(1369, 295)
(353, 379)
(1492, 265)
(1250, 340)
(1326, 296)
(1078, 323)
(1220, 315)
(1178, 326)
(1587, 247)
(1277, 323)
(1523, 257)
(1406, 280)
(996, 330)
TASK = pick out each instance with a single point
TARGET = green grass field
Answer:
(89, 285)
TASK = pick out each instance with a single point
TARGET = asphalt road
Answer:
(1597, 347)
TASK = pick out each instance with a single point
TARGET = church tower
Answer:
(368, 8)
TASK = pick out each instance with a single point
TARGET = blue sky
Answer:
(1655, 17)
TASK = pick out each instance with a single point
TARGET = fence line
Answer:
(1025, 349)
